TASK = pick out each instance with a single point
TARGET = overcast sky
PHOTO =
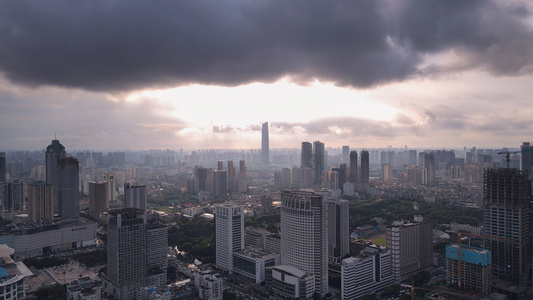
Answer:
(205, 74)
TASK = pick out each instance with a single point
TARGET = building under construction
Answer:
(475, 267)
(507, 201)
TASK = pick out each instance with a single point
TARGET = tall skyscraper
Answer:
(98, 194)
(429, 164)
(232, 177)
(412, 157)
(346, 154)
(242, 179)
(507, 201)
(319, 161)
(229, 234)
(365, 167)
(54, 152)
(306, 155)
(2, 167)
(265, 152)
(40, 201)
(353, 177)
(135, 196)
(68, 188)
(220, 183)
(338, 229)
(304, 234)
(526, 160)
(111, 186)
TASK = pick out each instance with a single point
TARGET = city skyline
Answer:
(365, 74)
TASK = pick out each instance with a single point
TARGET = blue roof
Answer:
(3, 272)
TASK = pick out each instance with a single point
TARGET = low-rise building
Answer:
(251, 263)
(12, 275)
(84, 289)
(290, 282)
(209, 285)
(367, 273)
(41, 237)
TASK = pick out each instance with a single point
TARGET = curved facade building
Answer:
(304, 236)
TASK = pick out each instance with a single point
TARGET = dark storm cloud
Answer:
(84, 119)
(124, 45)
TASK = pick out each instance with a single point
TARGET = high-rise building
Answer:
(346, 154)
(126, 252)
(242, 179)
(304, 234)
(353, 178)
(429, 164)
(318, 161)
(220, 184)
(507, 202)
(232, 177)
(229, 234)
(54, 152)
(265, 152)
(338, 229)
(526, 160)
(12, 195)
(111, 186)
(411, 246)
(98, 194)
(68, 188)
(40, 201)
(135, 196)
(306, 155)
(2, 167)
(412, 157)
(365, 167)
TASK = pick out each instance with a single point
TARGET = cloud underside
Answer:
(128, 45)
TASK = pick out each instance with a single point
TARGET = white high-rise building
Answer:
(135, 196)
(229, 228)
(304, 237)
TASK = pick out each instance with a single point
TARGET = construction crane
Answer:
(459, 255)
(508, 156)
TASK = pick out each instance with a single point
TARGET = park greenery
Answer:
(195, 237)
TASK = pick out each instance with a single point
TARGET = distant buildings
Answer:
(2, 167)
(265, 154)
(62, 173)
(365, 168)
(98, 201)
(353, 176)
(229, 234)
(40, 201)
(304, 235)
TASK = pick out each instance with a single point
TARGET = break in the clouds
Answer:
(131, 45)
